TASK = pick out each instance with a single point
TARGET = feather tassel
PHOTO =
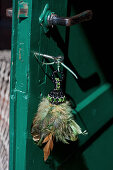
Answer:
(54, 121)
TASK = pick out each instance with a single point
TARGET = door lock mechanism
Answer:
(48, 19)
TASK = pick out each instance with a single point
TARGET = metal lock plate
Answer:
(23, 10)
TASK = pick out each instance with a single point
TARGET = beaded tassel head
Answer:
(54, 119)
(56, 96)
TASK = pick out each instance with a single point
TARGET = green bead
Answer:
(57, 79)
(55, 99)
(60, 99)
(64, 98)
(50, 99)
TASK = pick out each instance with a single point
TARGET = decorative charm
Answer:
(54, 119)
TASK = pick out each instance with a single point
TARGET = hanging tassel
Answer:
(54, 120)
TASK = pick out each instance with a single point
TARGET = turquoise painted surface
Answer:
(19, 88)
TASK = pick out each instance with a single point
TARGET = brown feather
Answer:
(47, 138)
(48, 146)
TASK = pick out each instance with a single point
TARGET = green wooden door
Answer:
(91, 94)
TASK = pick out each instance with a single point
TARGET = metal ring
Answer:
(55, 59)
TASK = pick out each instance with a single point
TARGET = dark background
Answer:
(5, 25)
(99, 32)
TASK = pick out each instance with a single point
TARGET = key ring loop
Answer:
(57, 59)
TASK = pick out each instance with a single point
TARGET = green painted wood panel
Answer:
(92, 95)
(19, 87)
(40, 86)
(28, 81)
